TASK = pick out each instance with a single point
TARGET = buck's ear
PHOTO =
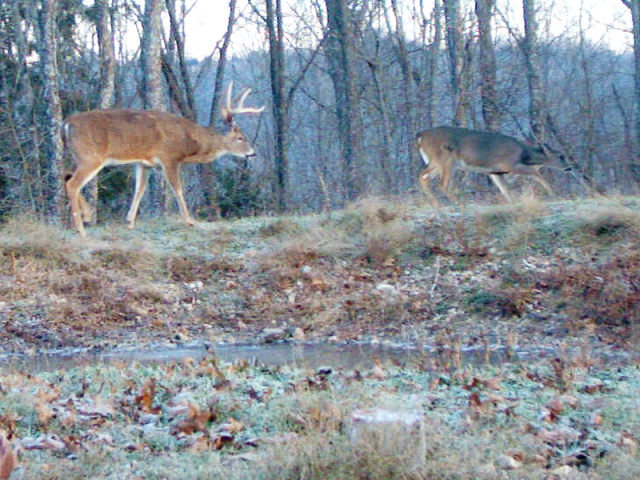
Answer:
(227, 117)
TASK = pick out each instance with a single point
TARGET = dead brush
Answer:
(607, 291)
(135, 261)
(24, 237)
(188, 269)
(280, 227)
(609, 223)
(510, 225)
(377, 229)
(284, 263)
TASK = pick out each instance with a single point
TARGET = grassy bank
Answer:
(563, 277)
(379, 270)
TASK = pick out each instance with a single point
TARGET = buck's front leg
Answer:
(78, 204)
(172, 172)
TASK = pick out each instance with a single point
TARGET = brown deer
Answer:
(444, 149)
(148, 139)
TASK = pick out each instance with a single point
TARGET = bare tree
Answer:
(150, 56)
(19, 158)
(487, 66)
(275, 31)
(51, 119)
(222, 62)
(402, 51)
(180, 86)
(537, 97)
(634, 6)
(206, 174)
(431, 37)
(339, 48)
(101, 16)
(151, 90)
(455, 49)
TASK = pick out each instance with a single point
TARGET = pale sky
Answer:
(606, 22)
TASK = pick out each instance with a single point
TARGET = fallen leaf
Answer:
(146, 397)
(493, 383)
(196, 420)
(378, 372)
(628, 443)
(232, 426)
(45, 413)
(555, 407)
(7, 457)
(596, 419)
(48, 396)
(199, 445)
(507, 462)
(222, 440)
(43, 442)
(97, 408)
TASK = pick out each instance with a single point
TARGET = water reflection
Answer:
(337, 356)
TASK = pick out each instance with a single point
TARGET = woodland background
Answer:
(347, 84)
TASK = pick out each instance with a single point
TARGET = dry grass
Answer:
(382, 269)
(379, 267)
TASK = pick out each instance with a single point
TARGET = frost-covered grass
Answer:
(560, 277)
(193, 420)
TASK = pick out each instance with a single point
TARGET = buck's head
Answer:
(236, 141)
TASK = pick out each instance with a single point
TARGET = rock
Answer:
(386, 288)
(270, 335)
(400, 434)
(562, 472)
(324, 370)
(506, 462)
(298, 334)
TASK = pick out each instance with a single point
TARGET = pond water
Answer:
(311, 355)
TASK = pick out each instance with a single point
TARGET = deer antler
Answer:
(228, 111)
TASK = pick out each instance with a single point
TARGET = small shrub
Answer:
(607, 291)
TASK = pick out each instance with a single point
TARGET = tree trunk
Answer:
(339, 48)
(456, 52)
(634, 6)
(151, 91)
(488, 91)
(52, 148)
(280, 107)
(184, 95)
(107, 54)
(150, 57)
(206, 172)
(431, 39)
(107, 81)
(537, 97)
(409, 125)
